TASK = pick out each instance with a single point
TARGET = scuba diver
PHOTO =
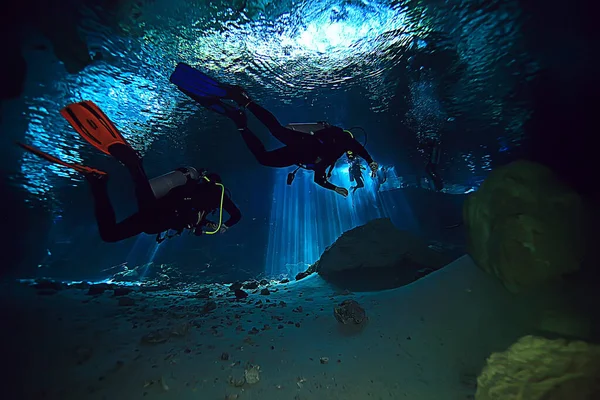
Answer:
(179, 200)
(381, 178)
(313, 146)
(432, 150)
(355, 170)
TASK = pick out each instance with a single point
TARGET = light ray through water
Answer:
(306, 218)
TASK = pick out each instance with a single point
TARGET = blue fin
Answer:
(212, 103)
(191, 80)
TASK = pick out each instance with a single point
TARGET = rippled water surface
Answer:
(447, 70)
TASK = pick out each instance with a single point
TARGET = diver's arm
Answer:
(234, 213)
(321, 179)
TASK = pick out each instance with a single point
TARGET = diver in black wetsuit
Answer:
(355, 170)
(381, 178)
(432, 149)
(179, 200)
(176, 201)
(316, 151)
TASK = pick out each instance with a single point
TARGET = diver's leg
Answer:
(285, 135)
(431, 170)
(264, 116)
(133, 162)
(359, 182)
(109, 229)
(282, 157)
(280, 132)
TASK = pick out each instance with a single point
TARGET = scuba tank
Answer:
(161, 185)
(310, 127)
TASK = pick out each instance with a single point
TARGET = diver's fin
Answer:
(93, 125)
(190, 80)
(77, 167)
(215, 104)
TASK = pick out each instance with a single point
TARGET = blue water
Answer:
(403, 71)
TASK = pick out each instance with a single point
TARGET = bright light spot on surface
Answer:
(308, 39)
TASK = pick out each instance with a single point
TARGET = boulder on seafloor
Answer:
(525, 227)
(121, 291)
(99, 288)
(378, 256)
(350, 312)
(46, 284)
(539, 368)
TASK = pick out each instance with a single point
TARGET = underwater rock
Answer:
(98, 289)
(265, 292)
(162, 335)
(209, 306)
(14, 65)
(525, 227)
(120, 291)
(61, 27)
(48, 285)
(47, 292)
(539, 368)
(153, 288)
(235, 286)
(566, 321)
(155, 337)
(127, 275)
(80, 285)
(82, 354)
(302, 275)
(350, 312)
(126, 301)
(237, 380)
(240, 294)
(152, 275)
(284, 280)
(252, 374)
(377, 256)
(423, 272)
(250, 285)
(203, 293)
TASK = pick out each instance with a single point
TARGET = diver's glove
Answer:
(342, 191)
(374, 167)
(239, 95)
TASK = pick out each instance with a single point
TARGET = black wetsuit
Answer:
(177, 210)
(315, 152)
(432, 148)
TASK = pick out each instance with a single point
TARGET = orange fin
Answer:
(77, 167)
(93, 125)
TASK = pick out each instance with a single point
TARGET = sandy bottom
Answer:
(424, 341)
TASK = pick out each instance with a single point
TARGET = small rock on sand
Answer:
(126, 301)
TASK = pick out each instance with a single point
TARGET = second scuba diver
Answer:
(431, 147)
(355, 170)
(315, 147)
(179, 200)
